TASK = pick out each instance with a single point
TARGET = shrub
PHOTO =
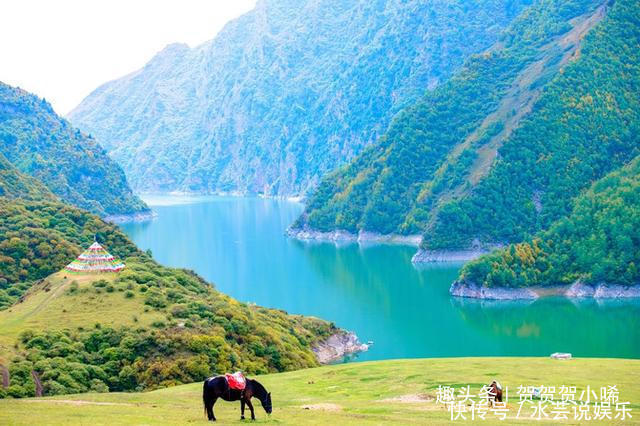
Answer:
(100, 283)
(17, 391)
(73, 287)
(99, 386)
(155, 299)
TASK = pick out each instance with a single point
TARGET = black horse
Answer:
(218, 387)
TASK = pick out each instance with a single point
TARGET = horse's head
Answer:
(266, 403)
(261, 393)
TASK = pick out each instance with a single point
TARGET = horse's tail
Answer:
(204, 396)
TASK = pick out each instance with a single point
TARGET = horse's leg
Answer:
(242, 409)
(208, 407)
(253, 416)
(212, 417)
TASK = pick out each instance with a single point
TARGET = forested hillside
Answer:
(14, 184)
(598, 242)
(500, 150)
(69, 163)
(285, 93)
(146, 327)
(585, 125)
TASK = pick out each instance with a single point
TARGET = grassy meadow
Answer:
(54, 304)
(383, 392)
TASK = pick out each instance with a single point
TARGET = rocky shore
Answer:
(134, 217)
(602, 291)
(307, 234)
(338, 346)
(462, 289)
(425, 256)
(474, 251)
(576, 290)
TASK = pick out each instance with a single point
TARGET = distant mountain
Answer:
(284, 93)
(500, 151)
(72, 165)
(598, 242)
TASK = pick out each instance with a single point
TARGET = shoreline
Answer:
(441, 256)
(341, 236)
(338, 346)
(131, 217)
(476, 250)
(237, 194)
(577, 290)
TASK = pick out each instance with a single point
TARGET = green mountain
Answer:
(501, 149)
(146, 327)
(72, 165)
(598, 242)
(285, 93)
(14, 184)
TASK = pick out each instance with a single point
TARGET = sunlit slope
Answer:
(389, 392)
(143, 328)
(65, 300)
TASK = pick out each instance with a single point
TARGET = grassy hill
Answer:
(55, 303)
(38, 238)
(386, 392)
(146, 327)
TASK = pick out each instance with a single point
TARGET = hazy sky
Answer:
(63, 50)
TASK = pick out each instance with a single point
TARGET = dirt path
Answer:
(4, 372)
(36, 380)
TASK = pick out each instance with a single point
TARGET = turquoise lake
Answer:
(239, 245)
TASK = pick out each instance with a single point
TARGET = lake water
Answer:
(240, 246)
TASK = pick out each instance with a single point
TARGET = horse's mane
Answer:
(260, 391)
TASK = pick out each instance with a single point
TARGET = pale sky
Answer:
(63, 50)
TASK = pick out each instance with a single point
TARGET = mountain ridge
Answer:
(283, 93)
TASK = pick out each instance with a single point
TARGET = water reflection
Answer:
(239, 244)
(585, 327)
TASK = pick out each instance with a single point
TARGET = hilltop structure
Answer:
(95, 259)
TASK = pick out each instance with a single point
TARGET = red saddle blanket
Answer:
(236, 380)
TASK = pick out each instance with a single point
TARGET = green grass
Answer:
(52, 305)
(343, 394)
